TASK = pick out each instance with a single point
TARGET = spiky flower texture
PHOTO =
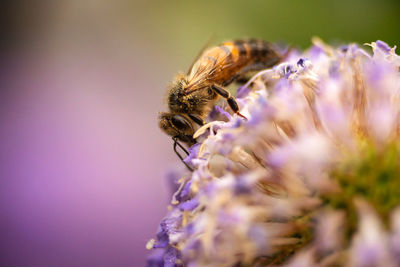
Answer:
(312, 178)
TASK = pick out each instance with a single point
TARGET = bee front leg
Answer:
(231, 100)
(176, 143)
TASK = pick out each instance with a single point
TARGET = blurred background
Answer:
(83, 165)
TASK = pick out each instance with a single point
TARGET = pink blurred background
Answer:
(82, 162)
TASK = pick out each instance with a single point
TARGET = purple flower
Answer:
(310, 179)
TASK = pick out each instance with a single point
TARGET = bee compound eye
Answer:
(180, 122)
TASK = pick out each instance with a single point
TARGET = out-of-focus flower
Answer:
(312, 178)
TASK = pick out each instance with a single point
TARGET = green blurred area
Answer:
(177, 29)
(187, 25)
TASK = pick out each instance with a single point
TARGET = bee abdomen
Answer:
(251, 50)
(264, 52)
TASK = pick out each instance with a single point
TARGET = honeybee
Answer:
(192, 95)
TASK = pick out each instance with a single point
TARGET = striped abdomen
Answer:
(232, 58)
(243, 51)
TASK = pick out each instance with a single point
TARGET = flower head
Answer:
(310, 179)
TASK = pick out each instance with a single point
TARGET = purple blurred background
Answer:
(82, 161)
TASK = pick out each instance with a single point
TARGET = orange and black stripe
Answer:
(248, 50)
(259, 48)
(241, 46)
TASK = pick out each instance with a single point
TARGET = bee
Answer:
(191, 96)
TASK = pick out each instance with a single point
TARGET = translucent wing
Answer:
(209, 65)
(199, 54)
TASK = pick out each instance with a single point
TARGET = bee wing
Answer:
(199, 54)
(208, 68)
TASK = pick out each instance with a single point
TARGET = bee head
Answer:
(178, 126)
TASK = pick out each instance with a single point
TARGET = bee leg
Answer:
(242, 80)
(231, 100)
(197, 119)
(232, 79)
(179, 155)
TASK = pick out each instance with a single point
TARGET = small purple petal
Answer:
(228, 218)
(242, 91)
(186, 190)
(282, 85)
(218, 114)
(162, 239)
(228, 137)
(383, 46)
(172, 180)
(238, 123)
(300, 62)
(377, 74)
(213, 115)
(316, 51)
(223, 112)
(261, 114)
(189, 205)
(194, 247)
(241, 186)
(171, 256)
(277, 158)
(156, 258)
(259, 236)
(190, 228)
(334, 70)
(193, 152)
(343, 48)
(285, 70)
(168, 225)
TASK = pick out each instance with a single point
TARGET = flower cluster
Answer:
(312, 178)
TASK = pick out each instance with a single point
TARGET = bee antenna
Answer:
(176, 143)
